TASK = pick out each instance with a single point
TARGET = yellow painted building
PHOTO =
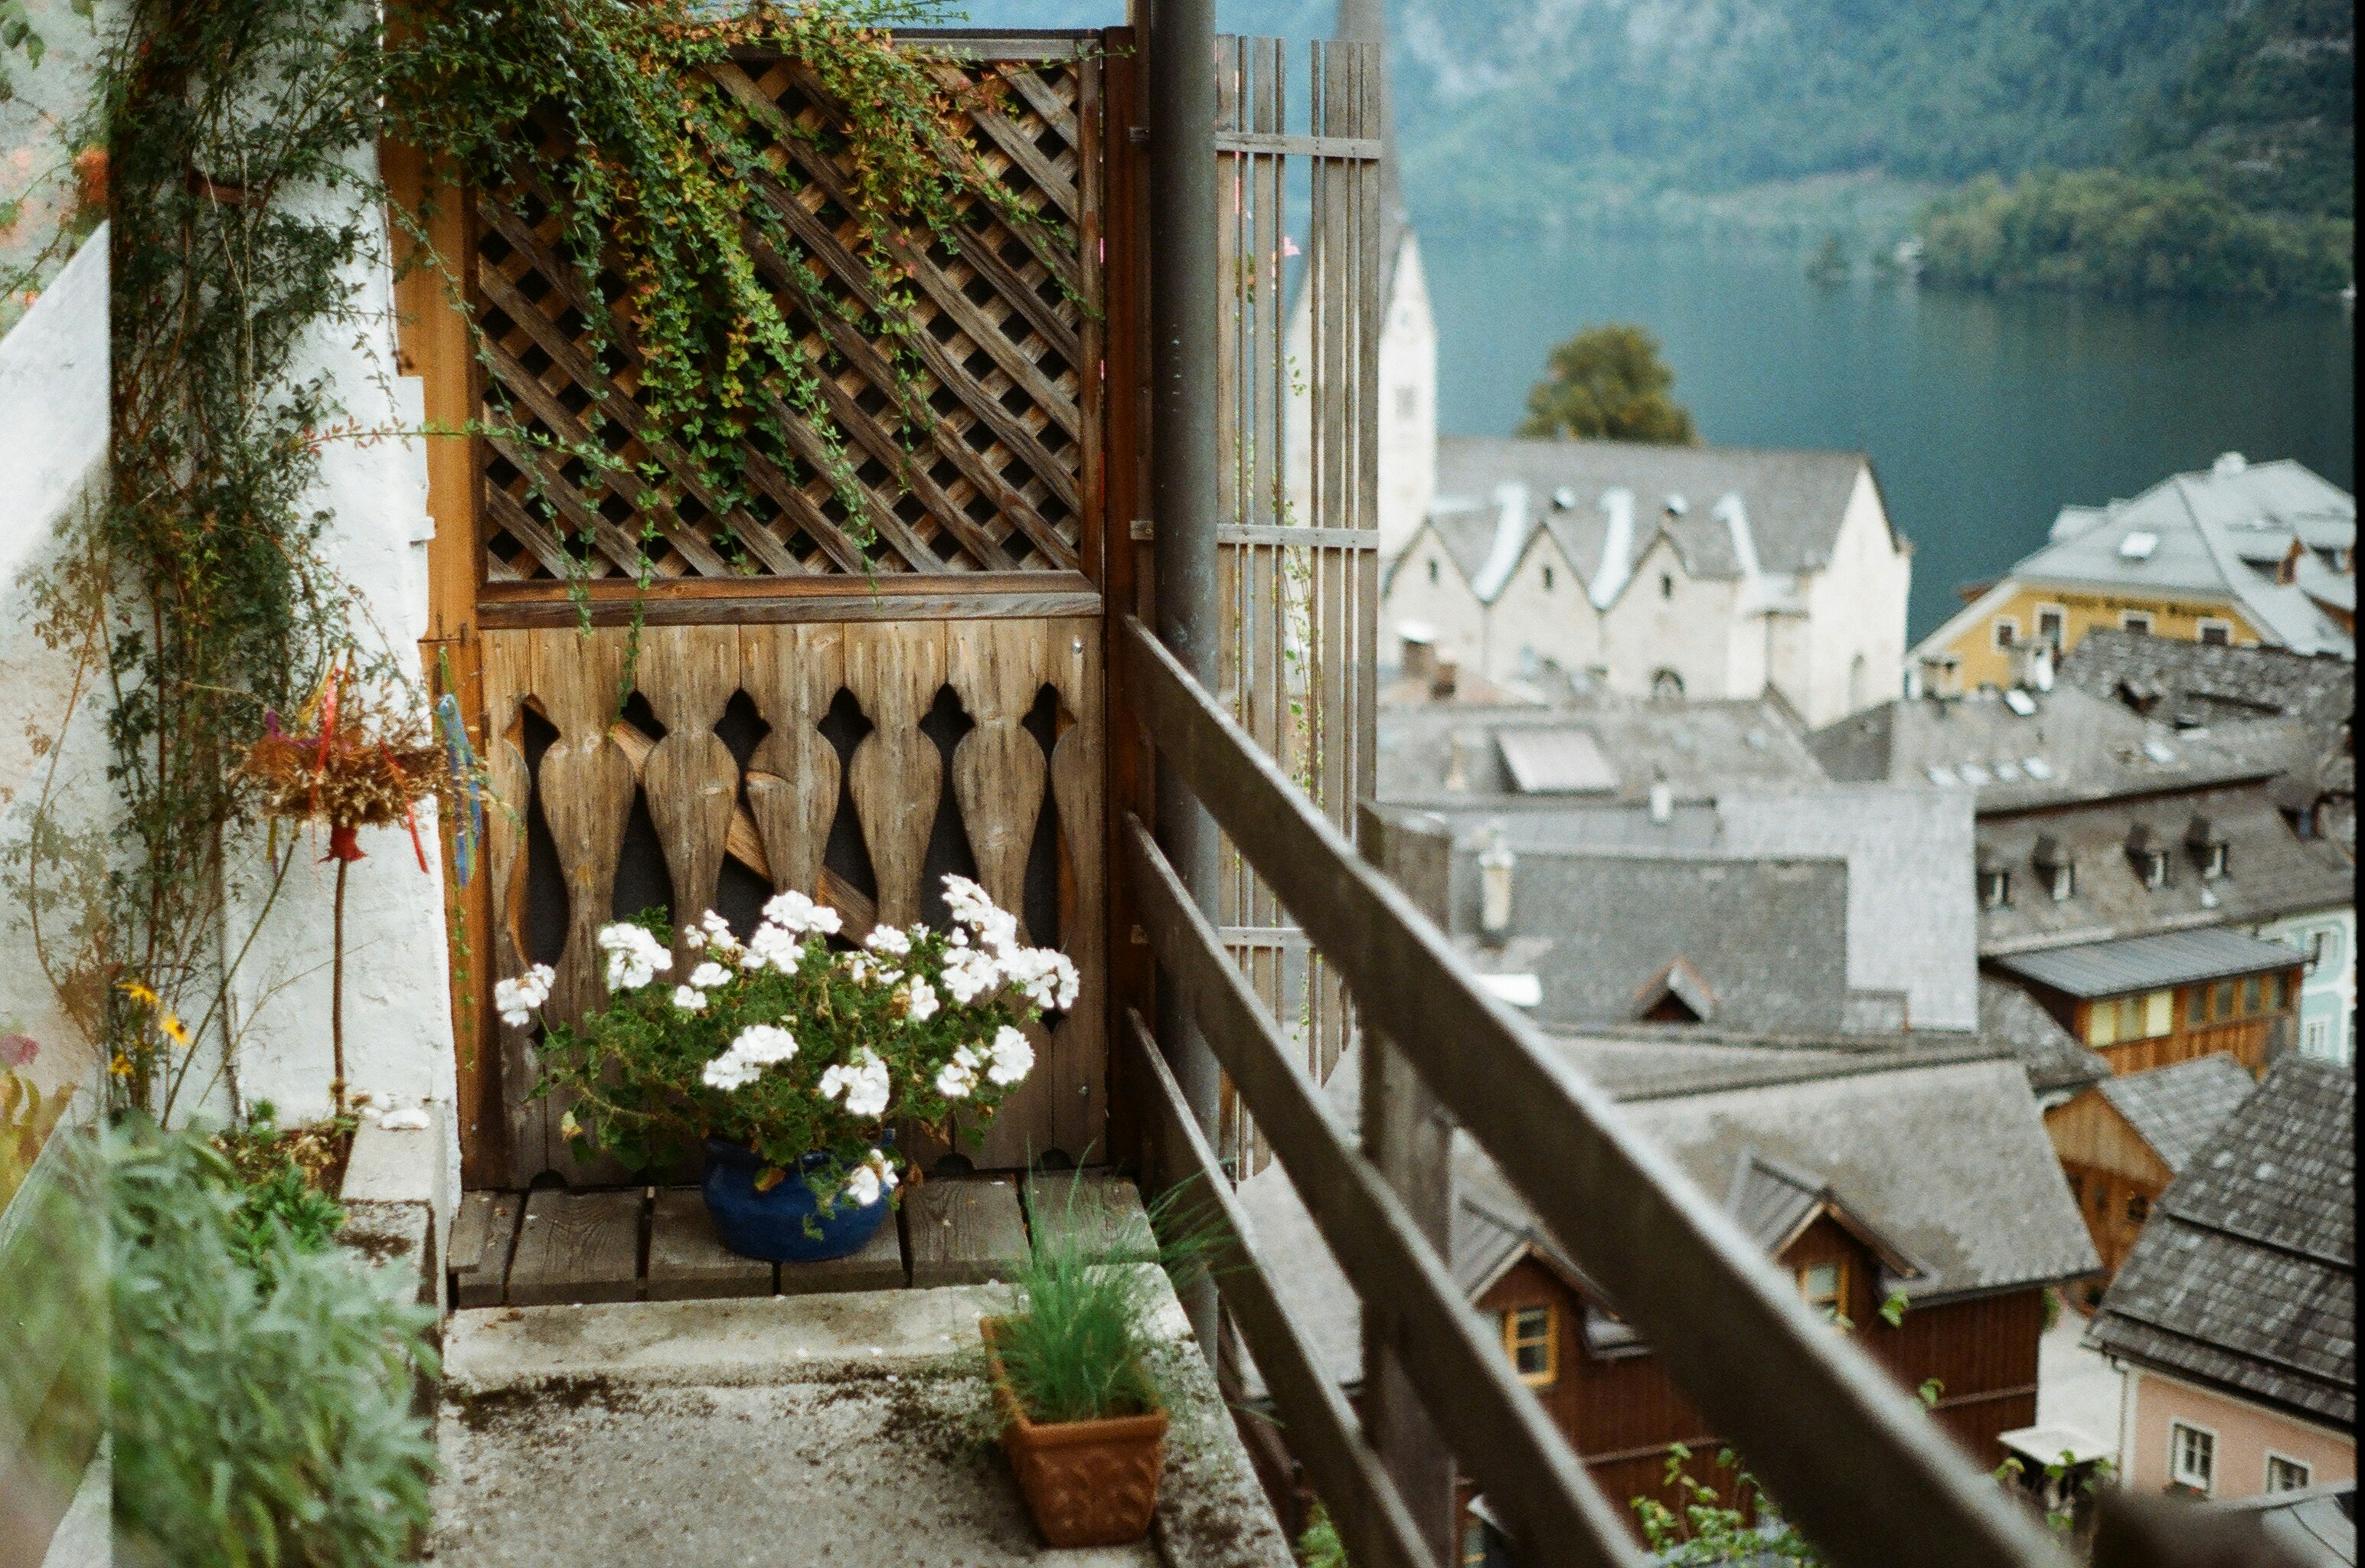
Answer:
(2245, 554)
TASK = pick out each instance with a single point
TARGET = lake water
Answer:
(1984, 414)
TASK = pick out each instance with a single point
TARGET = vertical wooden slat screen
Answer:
(1299, 594)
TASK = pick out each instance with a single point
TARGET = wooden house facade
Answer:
(2149, 1002)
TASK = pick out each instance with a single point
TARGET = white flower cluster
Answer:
(691, 998)
(867, 1181)
(798, 916)
(920, 1002)
(1005, 1061)
(516, 999)
(634, 958)
(1046, 976)
(757, 1046)
(863, 1081)
(712, 930)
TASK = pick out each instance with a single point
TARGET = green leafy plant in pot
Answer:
(791, 1061)
(1078, 1375)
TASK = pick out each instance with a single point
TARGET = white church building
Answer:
(1699, 572)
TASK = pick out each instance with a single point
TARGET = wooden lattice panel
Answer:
(995, 481)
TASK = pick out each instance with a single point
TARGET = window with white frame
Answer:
(2191, 1456)
(2007, 632)
(2136, 620)
(2052, 624)
(2316, 1039)
(2217, 633)
(2285, 1473)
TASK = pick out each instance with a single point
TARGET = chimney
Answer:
(1495, 863)
(1445, 681)
(1457, 763)
(1663, 802)
(1419, 649)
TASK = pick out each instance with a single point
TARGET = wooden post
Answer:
(1407, 1135)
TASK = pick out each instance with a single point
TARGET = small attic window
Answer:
(1433, 568)
(2056, 869)
(2138, 546)
(2211, 854)
(1564, 500)
(2149, 857)
(1995, 884)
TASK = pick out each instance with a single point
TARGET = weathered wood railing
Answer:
(1865, 1472)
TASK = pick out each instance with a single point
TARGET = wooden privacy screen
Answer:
(994, 490)
(1022, 784)
(1298, 544)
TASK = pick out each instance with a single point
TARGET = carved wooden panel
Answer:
(776, 817)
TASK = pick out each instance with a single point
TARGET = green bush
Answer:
(261, 1383)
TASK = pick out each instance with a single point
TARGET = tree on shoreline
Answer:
(1608, 383)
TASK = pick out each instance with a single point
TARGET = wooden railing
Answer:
(1854, 1461)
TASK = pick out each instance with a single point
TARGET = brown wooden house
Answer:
(2147, 1001)
(2123, 1141)
(1864, 1181)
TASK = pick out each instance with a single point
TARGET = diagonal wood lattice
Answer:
(993, 479)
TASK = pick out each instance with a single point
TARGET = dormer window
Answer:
(1995, 882)
(2055, 871)
(2149, 857)
(1823, 1287)
(2209, 851)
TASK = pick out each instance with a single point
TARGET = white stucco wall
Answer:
(397, 1023)
(1556, 622)
(1855, 608)
(2327, 1010)
(53, 750)
(1686, 626)
(1427, 586)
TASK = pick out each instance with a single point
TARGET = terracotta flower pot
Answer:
(1086, 1482)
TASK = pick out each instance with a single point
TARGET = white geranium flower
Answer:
(690, 998)
(730, 1071)
(634, 958)
(709, 974)
(793, 911)
(862, 1186)
(863, 1082)
(765, 1044)
(516, 999)
(920, 1002)
(969, 973)
(692, 937)
(887, 939)
(1013, 1058)
(955, 1082)
(717, 930)
(774, 945)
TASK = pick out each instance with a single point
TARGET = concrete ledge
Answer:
(850, 1428)
(391, 1192)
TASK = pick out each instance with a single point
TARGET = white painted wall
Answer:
(1529, 618)
(1666, 619)
(1427, 586)
(2327, 1014)
(1855, 608)
(53, 414)
(53, 446)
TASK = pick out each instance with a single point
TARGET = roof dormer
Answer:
(2212, 857)
(2149, 856)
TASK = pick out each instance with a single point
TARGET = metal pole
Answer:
(1183, 466)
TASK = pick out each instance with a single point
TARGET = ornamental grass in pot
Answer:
(1077, 1380)
(790, 1056)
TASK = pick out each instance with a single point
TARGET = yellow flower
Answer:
(120, 1067)
(173, 1026)
(138, 992)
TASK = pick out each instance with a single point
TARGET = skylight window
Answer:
(2138, 546)
(2020, 703)
(2007, 771)
(1972, 773)
(2038, 768)
(1942, 776)
(2160, 751)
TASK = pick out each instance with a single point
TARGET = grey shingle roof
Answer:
(2246, 1277)
(1698, 748)
(1913, 928)
(2177, 1108)
(2013, 1019)
(2084, 748)
(1950, 1161)
(2146, 963)
(2213, 683)
(1768, 936)
(2208, 526)
(1795, 499)
(2270, 871)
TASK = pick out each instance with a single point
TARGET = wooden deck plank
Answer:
(964, 1232)
(482, 1234)
(1102, 1208)
(686, 1260)
(578, 1247)
(878, 1267)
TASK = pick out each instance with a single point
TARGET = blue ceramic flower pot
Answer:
(771, 1225)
